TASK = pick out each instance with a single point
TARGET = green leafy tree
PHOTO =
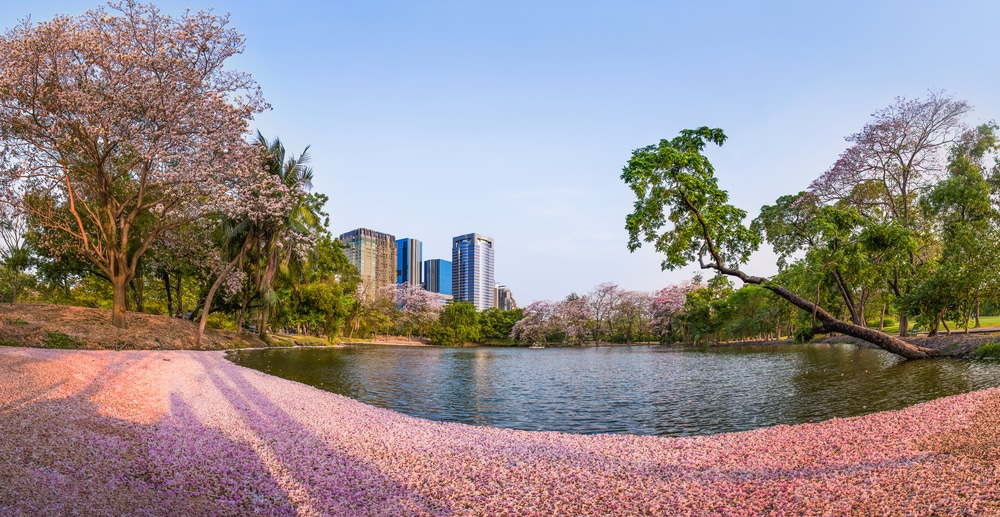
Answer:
(969, 265)
(681, 210)
(496, 325)
(458, 324)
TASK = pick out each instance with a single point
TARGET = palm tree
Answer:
(277, 237)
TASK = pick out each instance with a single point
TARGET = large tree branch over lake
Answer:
(681, 210)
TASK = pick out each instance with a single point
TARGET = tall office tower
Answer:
(409, 259)
(437, 276)
(472, 269)
(374, 254)
(505, 298)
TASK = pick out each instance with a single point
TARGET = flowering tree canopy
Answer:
(123, 123)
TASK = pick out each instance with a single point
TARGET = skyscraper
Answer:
(472, 269)
(374, 254)
(504, 298)
(437, 276)
(409, 259)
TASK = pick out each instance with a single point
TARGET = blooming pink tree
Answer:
(537, 323)
(418, 308)
(123, 123)
(891, 161)
(632, 315)
(572, 317)
(666, 303)
(603, 302)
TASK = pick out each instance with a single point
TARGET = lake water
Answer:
(648, 390)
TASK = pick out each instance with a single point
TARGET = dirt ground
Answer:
(60, 326)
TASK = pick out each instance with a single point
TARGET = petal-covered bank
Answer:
(189, 433)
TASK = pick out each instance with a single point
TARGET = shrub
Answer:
(220, 321)
(60, 340)
(17, 322)
(990, 350)
(803, 334)
(441, 335)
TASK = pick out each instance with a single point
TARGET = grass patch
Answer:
(9, 342)
(17, 322)
(297, 340)
(990, 350)
(60, 340)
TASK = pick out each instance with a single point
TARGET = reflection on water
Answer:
(639, 390)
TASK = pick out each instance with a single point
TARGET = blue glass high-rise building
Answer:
(437, 276)
(472, 270)
(409, 259)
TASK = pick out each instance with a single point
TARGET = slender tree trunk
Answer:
(137, 292)
(904, 323)
(978, 304)
(881, 319)
(947, 329)
(180, 301)
(165, 276)
(848, 297)
(215, 287)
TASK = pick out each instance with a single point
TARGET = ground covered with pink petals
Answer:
(189, 433)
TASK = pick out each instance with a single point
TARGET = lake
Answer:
(648, 390)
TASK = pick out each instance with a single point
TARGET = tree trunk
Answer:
(165, 276)
(829, 323)
(180, 301)
(119, 300)
(881, 319)
(978, 303)
(904, 324)
(215, 287)
(848, 297)
(137, 291)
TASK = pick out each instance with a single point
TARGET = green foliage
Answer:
(990, 350)
(495, 325)
(803, 334)
(60, 340)
(675, 187)
(220, 321)
(17, 322)
(458, 325)
(442, 335)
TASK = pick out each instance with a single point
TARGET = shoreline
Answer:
(186, 432)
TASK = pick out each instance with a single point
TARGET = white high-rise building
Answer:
(472, 270)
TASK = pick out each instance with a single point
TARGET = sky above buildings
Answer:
(513, 119)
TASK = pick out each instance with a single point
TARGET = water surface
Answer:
(647, 390)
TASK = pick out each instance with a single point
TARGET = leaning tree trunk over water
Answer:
(827, 322)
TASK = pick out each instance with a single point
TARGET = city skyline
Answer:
(441, 103)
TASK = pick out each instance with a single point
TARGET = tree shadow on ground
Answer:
(320, 475)
(62, 456)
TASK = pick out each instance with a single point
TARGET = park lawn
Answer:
(297, 340)
(985, 321)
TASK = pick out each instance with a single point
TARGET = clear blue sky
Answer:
(513, 119)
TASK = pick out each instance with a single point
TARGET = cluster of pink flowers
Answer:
(188, 433)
